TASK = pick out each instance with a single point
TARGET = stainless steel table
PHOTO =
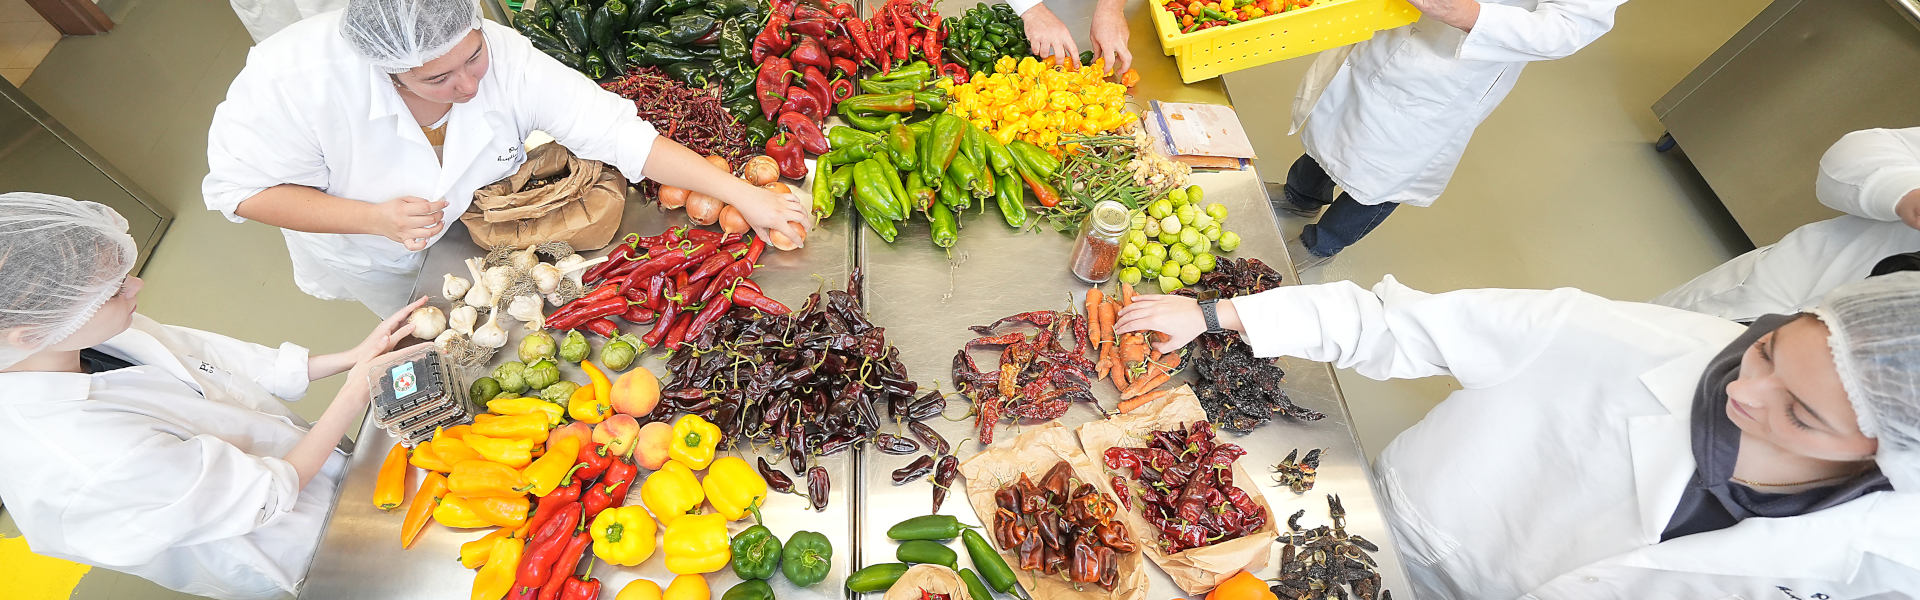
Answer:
(925, 297)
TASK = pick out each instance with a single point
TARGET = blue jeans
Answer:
(1345, 221)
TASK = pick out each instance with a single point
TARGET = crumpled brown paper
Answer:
(1033, 453)
(583, 208)
(935, 579)
(1197, 570)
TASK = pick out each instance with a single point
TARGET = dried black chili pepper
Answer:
(817, 486)
(888, 443)
(944, 473)
(915, 470)
(935, 443)
(776, 480)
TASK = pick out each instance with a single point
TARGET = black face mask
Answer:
(1712, 501)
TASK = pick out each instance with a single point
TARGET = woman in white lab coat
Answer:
(1872, 175)
(1387, 119)
(363, 133)
(159, 451)
(1602, 449)
(263, 18)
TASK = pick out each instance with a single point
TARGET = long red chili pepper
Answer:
(694, 290)
(605, 307)
(712, 265)
(721, 284)
(862, 38)
(657, 293)
(611, 490)
(709, 315)
(678, 335)
(606, 328)
(621, 253)
(749, 284)
(537, 564)
(741, 296)
(658, 334)
(663, 264)
(639, 314)
(551, 503)
(600, 293)
(569, 562)
(901, 33)
(702, 235)
(735, 249)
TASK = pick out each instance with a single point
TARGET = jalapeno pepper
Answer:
(926, 552)
(875, 578)
(992, 568)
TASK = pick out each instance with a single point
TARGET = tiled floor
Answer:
(1560, 187)
(25, 39)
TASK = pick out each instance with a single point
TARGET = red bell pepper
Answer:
(593, 461)
(770, 85)
(957, 71)
(815, 80)
(805, 131)
(611, 489)
(808, 51)
(783, 8)
(839, 47)
(584, 588)
(805, 11)
(775, 36)
(818, 27)
(841, 10)
(842, 89)
(803, 102)
(785, 150)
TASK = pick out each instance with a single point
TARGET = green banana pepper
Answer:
(945, 232)
(865, 123)
(972, 146)
(891, 175)
(943, 143)
(964, 173)
(900, 146)
(872, 194)
(756, 553)
(1011, 197)
(925, 551)
(842, 137)
(935, 101)
(842, 181)
(823, 201)
(751, 589)
(998, 156)
(875, 578)
(1034, 159)
(848, 154)
(918, 69)
(910, 84)
(574, 28)
(808, 557)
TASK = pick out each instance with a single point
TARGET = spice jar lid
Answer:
(1110, 217)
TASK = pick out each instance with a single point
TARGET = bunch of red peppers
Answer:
(681, 280)
(807, 59)
(558, 527)
(1184, 480)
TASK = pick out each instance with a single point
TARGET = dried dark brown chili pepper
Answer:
(888, 443)
(817, 487)
(776, 480)
(914, 470)
(944, 473)
(935, 443)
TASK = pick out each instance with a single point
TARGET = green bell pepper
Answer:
(541, 38)
(675, 7)
(596, 65)
(744, 110)
(900, 146)
(751, 589)
(617, 64)
(721, 9)
(734, 40)
(756, 553)
(1012, 198)
(807, 558)
(693, 74)
(575, 30)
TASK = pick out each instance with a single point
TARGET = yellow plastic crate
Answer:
(1327, 24)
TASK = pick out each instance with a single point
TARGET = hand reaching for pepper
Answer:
(770, 212)
(1176, 316)
(1110, 36)
(1048, 35)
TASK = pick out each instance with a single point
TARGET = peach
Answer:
(650, 450)
(635, 393)
(617, 434)
(575, 429)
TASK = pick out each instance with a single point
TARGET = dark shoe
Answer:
(1277, 192)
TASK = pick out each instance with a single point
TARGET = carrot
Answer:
(1126, 294)
(1133, 348)
(1146, 384)
(1134, 403)
(1094, 314)
(1158, 372)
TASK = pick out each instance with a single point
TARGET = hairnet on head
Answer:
(1874, 330)
(60, 259)
(397, 35)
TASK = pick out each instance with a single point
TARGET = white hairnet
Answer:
(60, 259)
(1875, 336)
(397, 35)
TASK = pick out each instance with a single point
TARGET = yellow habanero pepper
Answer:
(553, 467)
(503, 564)
(531, 427)
(734, 487)
(623, 536)
(473, 555)
(514, 407)
(696, 544)
(475, 478)
(516, 453)
(1063, 100)
(672, 492)
(694, 440)
(1005, 64)
(456, 513)
(586, 407)
(1029, 67)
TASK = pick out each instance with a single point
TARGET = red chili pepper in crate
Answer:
(816, 82)
(721, 284)
(771, 83)
(822, 27)
(808, 51)
(862, 37)
(713, 264)
(807, 134)
(844, 67)
(839, 47)
(748, 284)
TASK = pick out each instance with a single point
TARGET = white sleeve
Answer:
(1020, 7)
(593, 123)
(282, 371)
(1481, 337)
(171, 492)
(258, 140)
(1867, 172)
(1552, 30)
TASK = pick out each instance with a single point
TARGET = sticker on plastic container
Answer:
(403, 380)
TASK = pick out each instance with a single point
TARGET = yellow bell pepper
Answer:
(672, 492)
(687, 587)
(514, 407)
(452, 450)
(553, 467)
(503, 564)
(516, 453)
(640, 589)
(532, 427)
(733, 487)
(586, 407)
(424, 458)
(623, 536)
(694, 440)
(473, 555)
(454, 512)
(502, 511)
(696, 544)
(475, 478)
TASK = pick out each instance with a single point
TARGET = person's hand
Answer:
(1461, 14)
(1909, 209)
(1110, 37)
(1177, 317)
(409, 220)
(384, 335)
(767, 212)
(1049, 36)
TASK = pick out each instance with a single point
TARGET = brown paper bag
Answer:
(583, 207)
(1033, 453)
(1198, 570)
(935, 579)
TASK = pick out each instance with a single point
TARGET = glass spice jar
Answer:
(1097, 251)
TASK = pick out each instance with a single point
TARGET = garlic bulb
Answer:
(428, 322)
(455, 287)
(440, 341)
(546, 278)
(497, 279)
(525, 259)
(491, 335)
(479, 294)
(462, 319)
(527, 310)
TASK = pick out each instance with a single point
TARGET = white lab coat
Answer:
(1864, 175)
(1389, 118)
(308, 111)
(264, 18)
(1552, 473)
(168, 470)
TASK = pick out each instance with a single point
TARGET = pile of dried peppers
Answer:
(1184, 480)
(1036, 378)
(1239, 390)
(693, 117)
(1062, 526)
